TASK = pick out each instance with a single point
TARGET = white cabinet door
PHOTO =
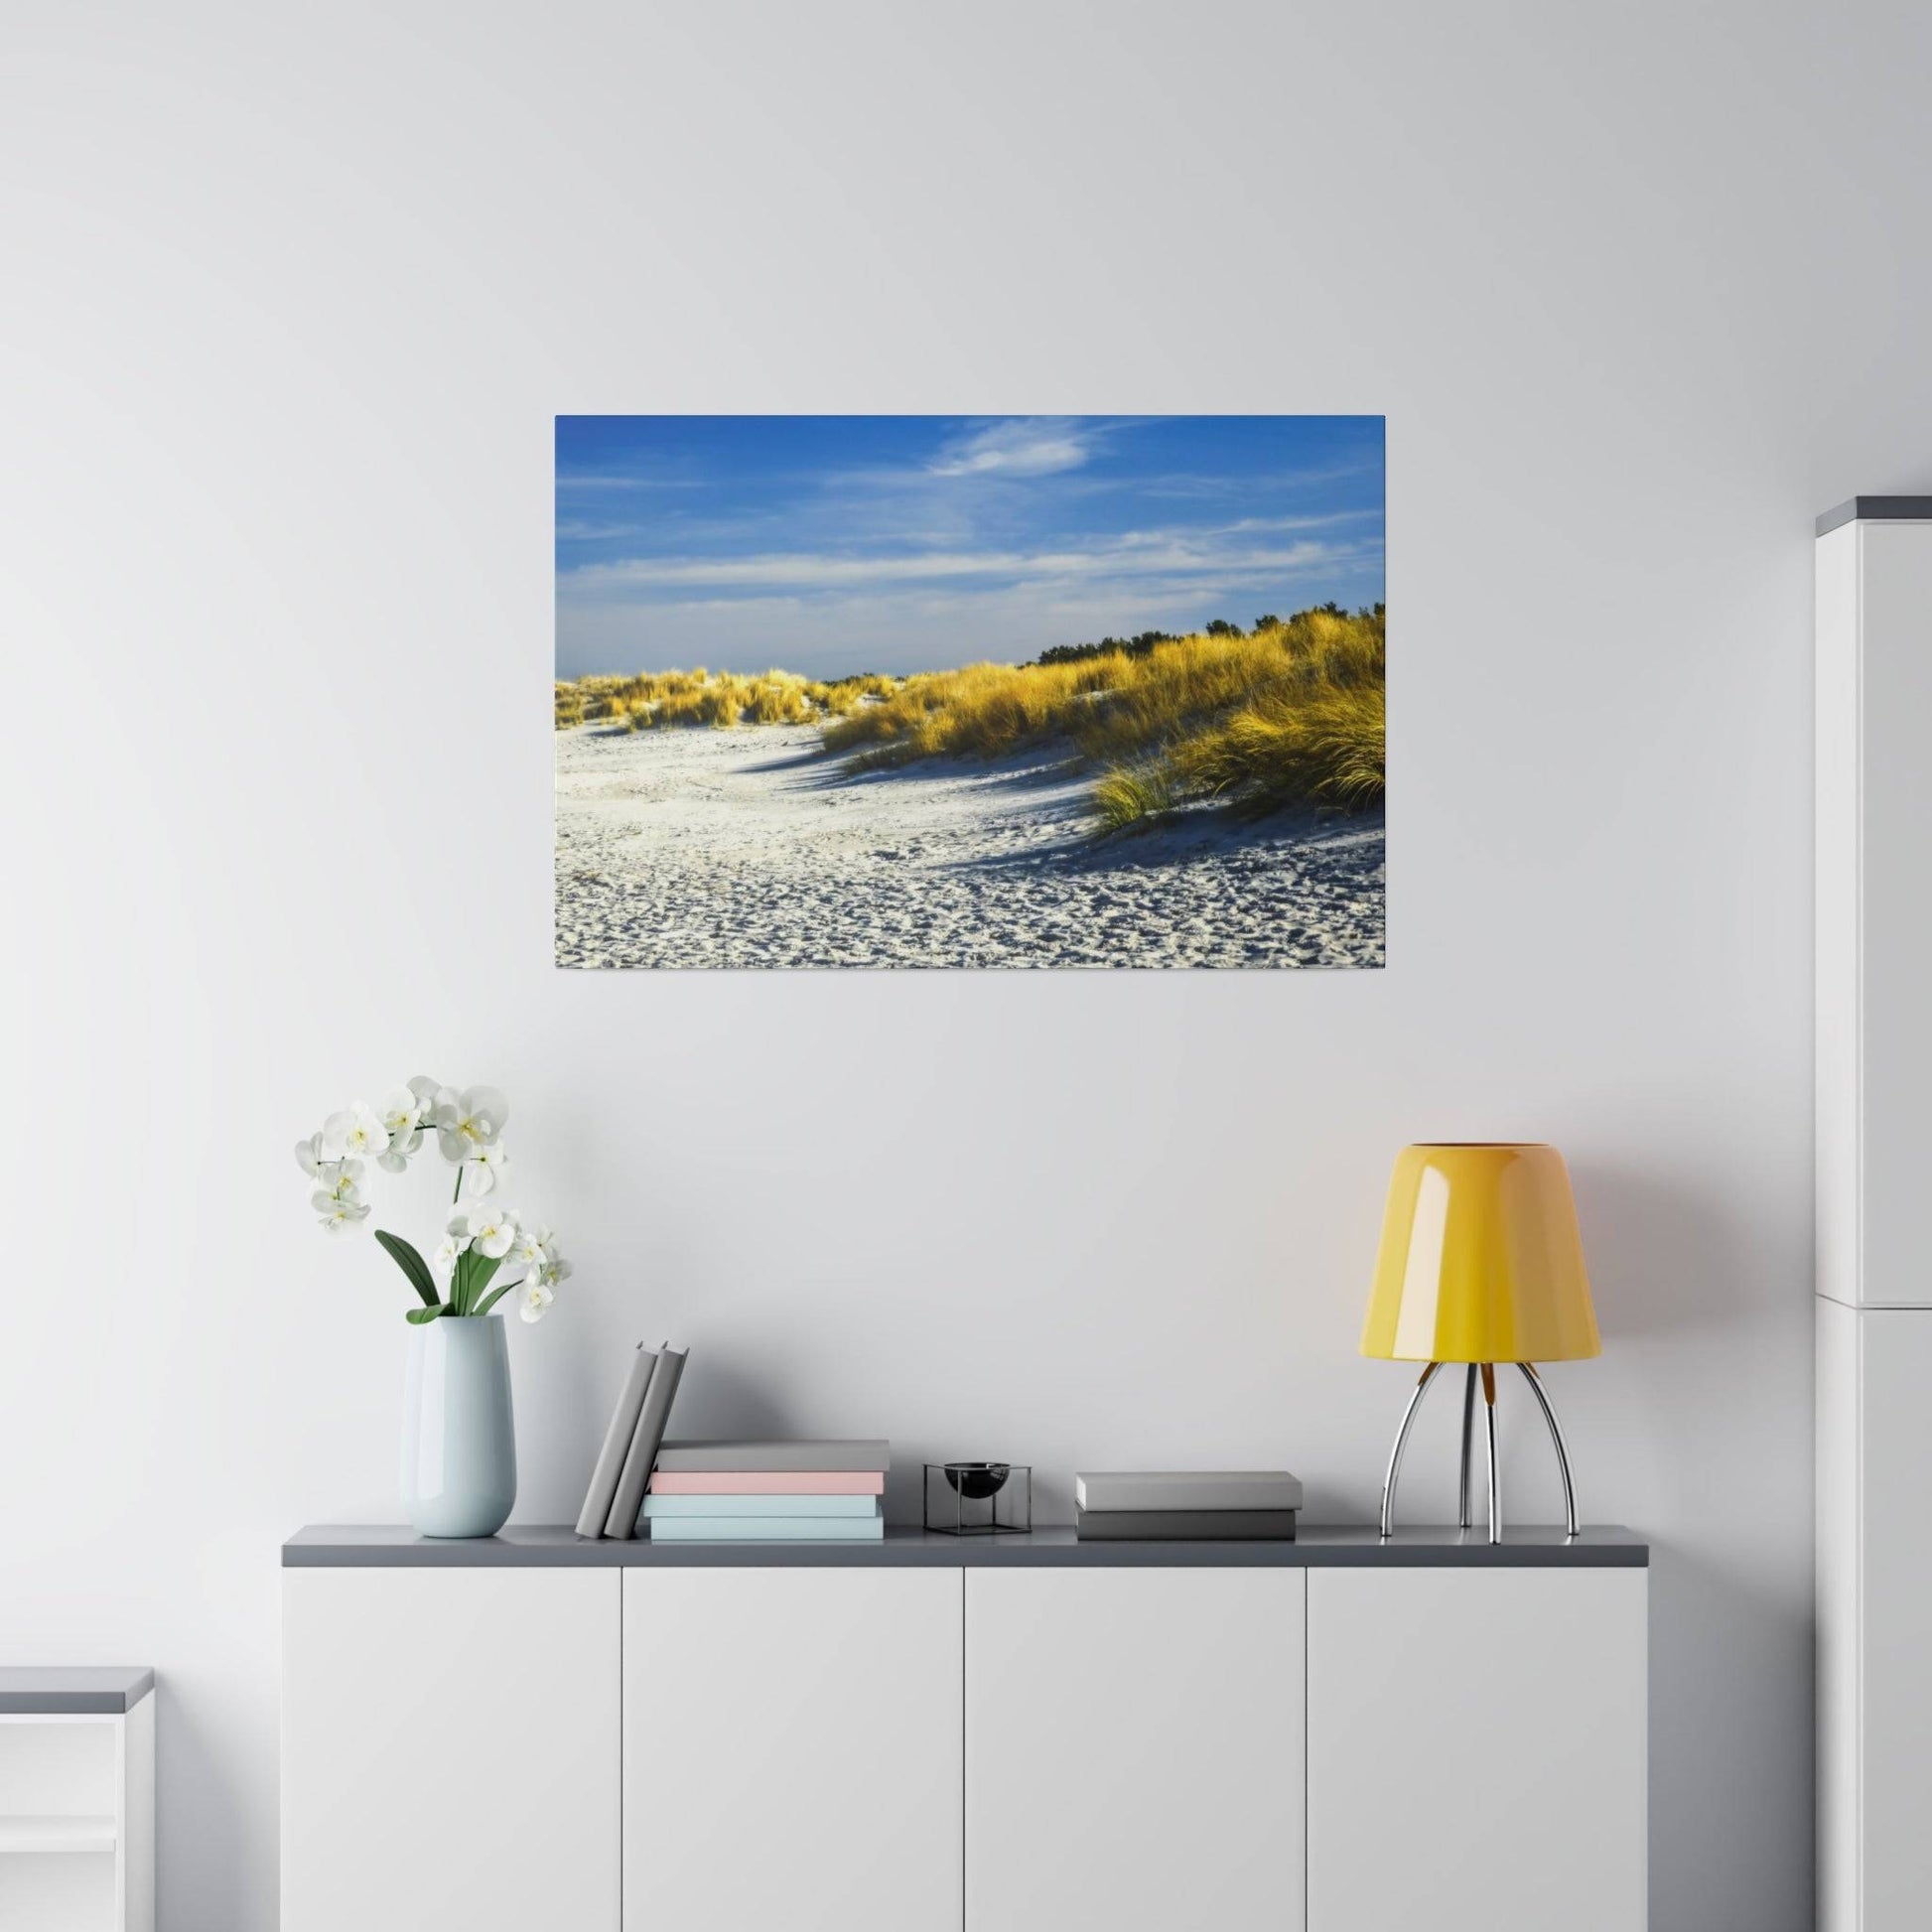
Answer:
(450, 1749)
(791, 1750)
(1476, 1750)
(1874, 916)
(1895, 1683)
(1894, 1147)
(1134, 1749)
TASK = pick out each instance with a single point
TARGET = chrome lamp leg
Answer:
(1495, 1467)
(1464, 1517)
(1401, 1442)
(1556, 1436)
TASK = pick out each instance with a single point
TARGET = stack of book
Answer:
(769, 1493)
(630, 1444)
(1184, 1505)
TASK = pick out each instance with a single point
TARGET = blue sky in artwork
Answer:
(834, 544)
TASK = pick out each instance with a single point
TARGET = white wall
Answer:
(289, 299)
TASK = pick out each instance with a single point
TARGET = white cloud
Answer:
(1038, 446)
(1136, 554)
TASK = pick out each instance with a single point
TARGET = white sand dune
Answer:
(690, 847)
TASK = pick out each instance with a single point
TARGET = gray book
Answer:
(598, 1497)
(734, 1458)
(1188, 1489)
(650, 1433)
(1184, 1525)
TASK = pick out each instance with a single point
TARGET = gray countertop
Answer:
(1877, 510)
(71, 1690)
(548, 1546)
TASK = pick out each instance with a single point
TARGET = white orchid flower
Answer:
(308, 1156)
(493, 1232)
(530, 1245)
(401, 1109)
(358, 1130)
(340, 1213)
(553, 1270)
(533, 1299)
(488, 1168)
(338, 1181)
(468, 1121)
(395, 1158)
(444, 1260)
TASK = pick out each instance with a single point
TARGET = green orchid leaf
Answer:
(485, 1267)
(412, 1265)
(420, 1315)
(495, 1295)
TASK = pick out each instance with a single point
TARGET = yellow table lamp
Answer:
(1480, 1263)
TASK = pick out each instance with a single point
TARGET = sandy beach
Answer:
(749, 848)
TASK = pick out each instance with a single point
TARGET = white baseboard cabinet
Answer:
(1028, 1735)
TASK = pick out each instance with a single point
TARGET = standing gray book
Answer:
(650, 1433)
(617, 1445)
(1189, 1489)
(765, 1459)
(1184, 1525)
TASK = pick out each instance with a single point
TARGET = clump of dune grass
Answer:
(717, 699)
(1328, 749)
(1128, 793)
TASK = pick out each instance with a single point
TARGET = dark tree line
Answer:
(1139, 644)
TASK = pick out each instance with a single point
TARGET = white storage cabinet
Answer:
(1873, 1142)
(76, 1800)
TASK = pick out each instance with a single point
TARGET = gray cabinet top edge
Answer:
(1877, 510)
(547, 1546)
(71, 1690)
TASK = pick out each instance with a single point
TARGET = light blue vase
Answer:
(458, 1441)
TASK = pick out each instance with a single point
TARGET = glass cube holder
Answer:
(979, 1498)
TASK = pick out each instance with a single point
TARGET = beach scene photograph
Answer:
(924, 691)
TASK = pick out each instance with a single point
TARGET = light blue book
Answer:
(660, 1507)
(768, 1529)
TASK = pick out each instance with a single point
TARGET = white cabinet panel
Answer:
(1476, 1750)
(1134, 1749)
(1895, 834)
(1835, 1040)
(1896, 1554)
(1840, 1337)
(450, 1749)
(791, 1750)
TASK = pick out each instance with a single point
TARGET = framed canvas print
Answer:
(960, 691)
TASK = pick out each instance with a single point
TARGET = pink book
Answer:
(768, 1482)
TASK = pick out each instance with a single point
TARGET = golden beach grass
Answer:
(1289, 713)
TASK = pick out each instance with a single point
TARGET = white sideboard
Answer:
(1874, 779)
(1024, 1734)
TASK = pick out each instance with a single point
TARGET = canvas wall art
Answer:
(907, 691)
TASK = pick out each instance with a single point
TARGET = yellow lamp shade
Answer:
(1481, 1260)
